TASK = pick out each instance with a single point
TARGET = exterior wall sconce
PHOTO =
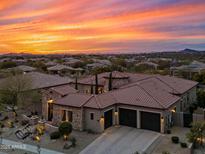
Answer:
(102, 118)
(173, 110)
(116, 112)
(50, 101)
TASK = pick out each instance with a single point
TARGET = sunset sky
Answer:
(101, 26)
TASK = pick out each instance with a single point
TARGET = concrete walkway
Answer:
(122, 140)
(28, 147)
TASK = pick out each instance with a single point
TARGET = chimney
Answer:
(96, 83)
(110, 82)
(76, 83)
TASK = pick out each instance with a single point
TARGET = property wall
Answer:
(77, 121)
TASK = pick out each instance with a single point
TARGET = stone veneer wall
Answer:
(77, 122)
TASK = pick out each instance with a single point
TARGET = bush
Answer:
(55, 135)
(168, 131)
(175, 139)
(89, 131)
(65, 128)
(165, 152)
(183, 145)
(73, 141)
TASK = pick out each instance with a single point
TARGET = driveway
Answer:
(122, 140)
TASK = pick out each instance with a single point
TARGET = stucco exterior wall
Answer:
(95, 124)
(187, 99)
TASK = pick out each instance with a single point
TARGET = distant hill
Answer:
(190, 51)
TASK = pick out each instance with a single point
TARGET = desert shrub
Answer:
(73, 141)
(183, 145)
(55, 135)
(65, 128)
(165, 152)
(175, 139)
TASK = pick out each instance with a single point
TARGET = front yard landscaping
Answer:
(71, 141)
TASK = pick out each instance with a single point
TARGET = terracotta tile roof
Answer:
(41, 80)
(59, 67)
(75, 100)
(178, 84)
(24, 68)
(152, 91)
(64, 90)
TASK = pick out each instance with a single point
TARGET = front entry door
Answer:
(50, 111)
(108, 119)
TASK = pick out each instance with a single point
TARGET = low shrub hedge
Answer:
(183, 145)
(175, 139)
(55, 135)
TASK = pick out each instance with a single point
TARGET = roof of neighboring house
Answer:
(64, 89)
(24, 68)
(60, 67)
(194, 66)
(147, 63)
(41, 80)
(50, 63)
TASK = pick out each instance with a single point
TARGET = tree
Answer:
(110, 82)
(13, 90)
(201, 98)
(7, 64)
(65, 128)
(40, 65)
(197, 133)
(96, 83)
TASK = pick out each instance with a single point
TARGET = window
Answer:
(64, 115)
(91, 116)
(69, 116)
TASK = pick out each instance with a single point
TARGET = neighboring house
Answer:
(71, 61)
(135, 100)
(194, 67)
(24, 68)
(50, 63)
(150, 64)
(40, 82)
(63, 69)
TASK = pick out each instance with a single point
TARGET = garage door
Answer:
(128, 117)
(108, 119)
(150, 121)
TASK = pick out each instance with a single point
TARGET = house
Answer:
(149, 64)
(50, 63)
(63, 69)
(108, 99)
(191, 69)
(38, 82)
(24, 68)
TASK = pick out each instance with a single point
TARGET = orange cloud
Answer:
(58, 26)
